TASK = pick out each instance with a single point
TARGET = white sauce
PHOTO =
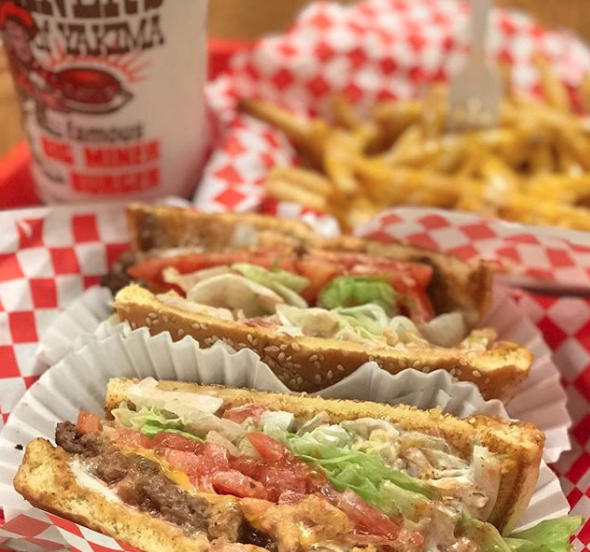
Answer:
(84, 479)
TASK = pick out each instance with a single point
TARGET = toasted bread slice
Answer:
(310, 364)
(519, 444)
(456, 284)
(47, 481)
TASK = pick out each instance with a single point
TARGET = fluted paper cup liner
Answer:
(541, 399)
(79, 382)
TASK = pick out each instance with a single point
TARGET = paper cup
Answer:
(541, 399)
(79, 382)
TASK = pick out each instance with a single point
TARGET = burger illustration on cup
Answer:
(82, 89)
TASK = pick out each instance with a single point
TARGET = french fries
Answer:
(534, 167)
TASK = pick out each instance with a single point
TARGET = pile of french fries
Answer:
(534, 167)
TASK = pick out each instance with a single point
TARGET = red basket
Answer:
(16, 182)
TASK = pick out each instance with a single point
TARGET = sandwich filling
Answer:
(252, 475)
(377, 302)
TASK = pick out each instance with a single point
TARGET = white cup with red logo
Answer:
(112, 94)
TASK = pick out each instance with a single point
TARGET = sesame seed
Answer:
(148, 321)
(317, 364)
(330, 374)
(289, 358)
(165, 318)
(476, 374)
(155, 321)
(196, 326)
(426, 369)
(293, 382)
(153, 315)
(340, 368)
(271, 362)
(453, 371)
(180, 332)
(134, 325)
(283, 346)
(295, 346)
(462, 362)
(321, 357)
(318, 378)
(296, 366)
(313, 357)
(271, 349)
(299, 380)
(487, 380)
(242, 345)
(416, 364)
(281, 357)
(250, 338)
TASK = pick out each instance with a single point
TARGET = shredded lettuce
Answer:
(371, 317)
(286, 284)
(353, 291)
(328, 447)
(150, 422)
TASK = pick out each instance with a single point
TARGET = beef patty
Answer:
(141, 483)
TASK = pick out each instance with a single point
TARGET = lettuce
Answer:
(150, 422)
(366, 474)
(552, 535)
(371, 317)
(286, 284)
(353, 291)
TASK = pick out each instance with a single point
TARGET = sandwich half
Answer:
(178, 466)
(315, 310)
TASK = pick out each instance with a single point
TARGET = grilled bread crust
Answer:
(310, 364)
(520, 444)
(46, 481)
(456, 284)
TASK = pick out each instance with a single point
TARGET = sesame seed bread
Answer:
(456, 284)
(46, 480)
(519, 444)
(310, 364)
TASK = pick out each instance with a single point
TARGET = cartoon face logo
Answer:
(84, 89)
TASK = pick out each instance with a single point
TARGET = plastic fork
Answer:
(476, 91)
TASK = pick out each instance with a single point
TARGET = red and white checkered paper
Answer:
(376, 50)
(48, 256)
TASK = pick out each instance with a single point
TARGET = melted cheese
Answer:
(177, 476)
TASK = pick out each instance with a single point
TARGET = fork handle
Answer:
(480, 12)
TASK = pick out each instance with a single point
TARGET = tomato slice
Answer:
(150, 270)
(368, 519)
(234, 483)
(174, 441)
(246, 465)
(88, 423)
(418, 306)
(240, 414)
(271, 451)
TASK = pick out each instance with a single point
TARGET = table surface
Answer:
(248, 19)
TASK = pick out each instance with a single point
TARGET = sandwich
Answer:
(314, 309)
(176, 467)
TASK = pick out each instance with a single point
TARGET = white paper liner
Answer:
(79, 382)
(541, 399)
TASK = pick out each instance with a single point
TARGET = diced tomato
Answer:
(419, 306)
(319, 272)
(277, 481)
(240, 414)
(150, 270)
(367, 518)
(174, 441)
(246, 465)
(188, 462)
(215, 455)
(270, 450)
(290, 497)
(88, 423)
(237, 484)
(129, 438)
